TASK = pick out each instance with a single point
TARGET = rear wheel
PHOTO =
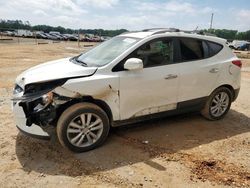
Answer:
(82, 127)
(218, 104)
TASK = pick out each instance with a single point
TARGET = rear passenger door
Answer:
(198, 70)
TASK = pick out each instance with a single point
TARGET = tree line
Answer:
(19, 24)
(229, 34)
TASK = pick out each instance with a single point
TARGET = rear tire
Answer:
(83, 127)
(218, 104)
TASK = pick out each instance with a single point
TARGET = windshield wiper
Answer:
(79, 61)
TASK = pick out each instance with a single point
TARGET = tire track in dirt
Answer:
(220, 172)
(202, 169)
(72, 167)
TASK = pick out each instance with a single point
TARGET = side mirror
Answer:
(133, 64)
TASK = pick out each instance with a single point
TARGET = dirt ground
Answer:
(179, 151)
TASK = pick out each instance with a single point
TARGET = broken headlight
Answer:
(47, 98)
(44, 86)
(38, 96)
(44, 101)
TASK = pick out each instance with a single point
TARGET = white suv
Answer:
(131, 77)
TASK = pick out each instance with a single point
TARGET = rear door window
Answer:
(191, 49)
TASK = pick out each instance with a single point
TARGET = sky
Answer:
(130, 14)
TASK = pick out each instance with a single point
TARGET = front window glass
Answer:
(155, 53)
(107, 51)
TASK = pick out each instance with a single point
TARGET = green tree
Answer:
(243, 35)
(223, 33)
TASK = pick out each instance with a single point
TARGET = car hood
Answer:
(53, 70)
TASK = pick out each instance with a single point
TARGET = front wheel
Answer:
(82, 127)
(218, 104)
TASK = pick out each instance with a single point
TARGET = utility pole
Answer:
(211, 22)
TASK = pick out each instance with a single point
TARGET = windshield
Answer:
(107, 51)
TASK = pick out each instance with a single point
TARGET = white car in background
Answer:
(23, 33)
(131, 77)
(236, 44)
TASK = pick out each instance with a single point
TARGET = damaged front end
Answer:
(35, 107)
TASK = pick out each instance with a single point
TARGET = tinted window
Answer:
(213, 48)
(155, 53)
(191, 49)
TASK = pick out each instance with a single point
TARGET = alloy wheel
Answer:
(85, 129)
(219, 104)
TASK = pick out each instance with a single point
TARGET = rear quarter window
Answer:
(213, 48)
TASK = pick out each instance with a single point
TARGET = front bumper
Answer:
(33, 130)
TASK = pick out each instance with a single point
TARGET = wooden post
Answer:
(35, 37)
(78, 38)
(18, 40)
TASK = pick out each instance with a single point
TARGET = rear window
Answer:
(191, 49)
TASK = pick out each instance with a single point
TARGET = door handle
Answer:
(170, 76)
(214, 70)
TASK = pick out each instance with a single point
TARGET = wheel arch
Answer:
(233, 95)
(102, 104)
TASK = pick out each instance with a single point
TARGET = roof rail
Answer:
(166, 30)
(152, 29)
(178, 30)
(161, 30)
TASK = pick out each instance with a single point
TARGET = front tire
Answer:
(83, 127)
(218, 104)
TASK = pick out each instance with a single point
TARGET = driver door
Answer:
(154, 88)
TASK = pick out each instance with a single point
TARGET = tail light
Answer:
(237, 63)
